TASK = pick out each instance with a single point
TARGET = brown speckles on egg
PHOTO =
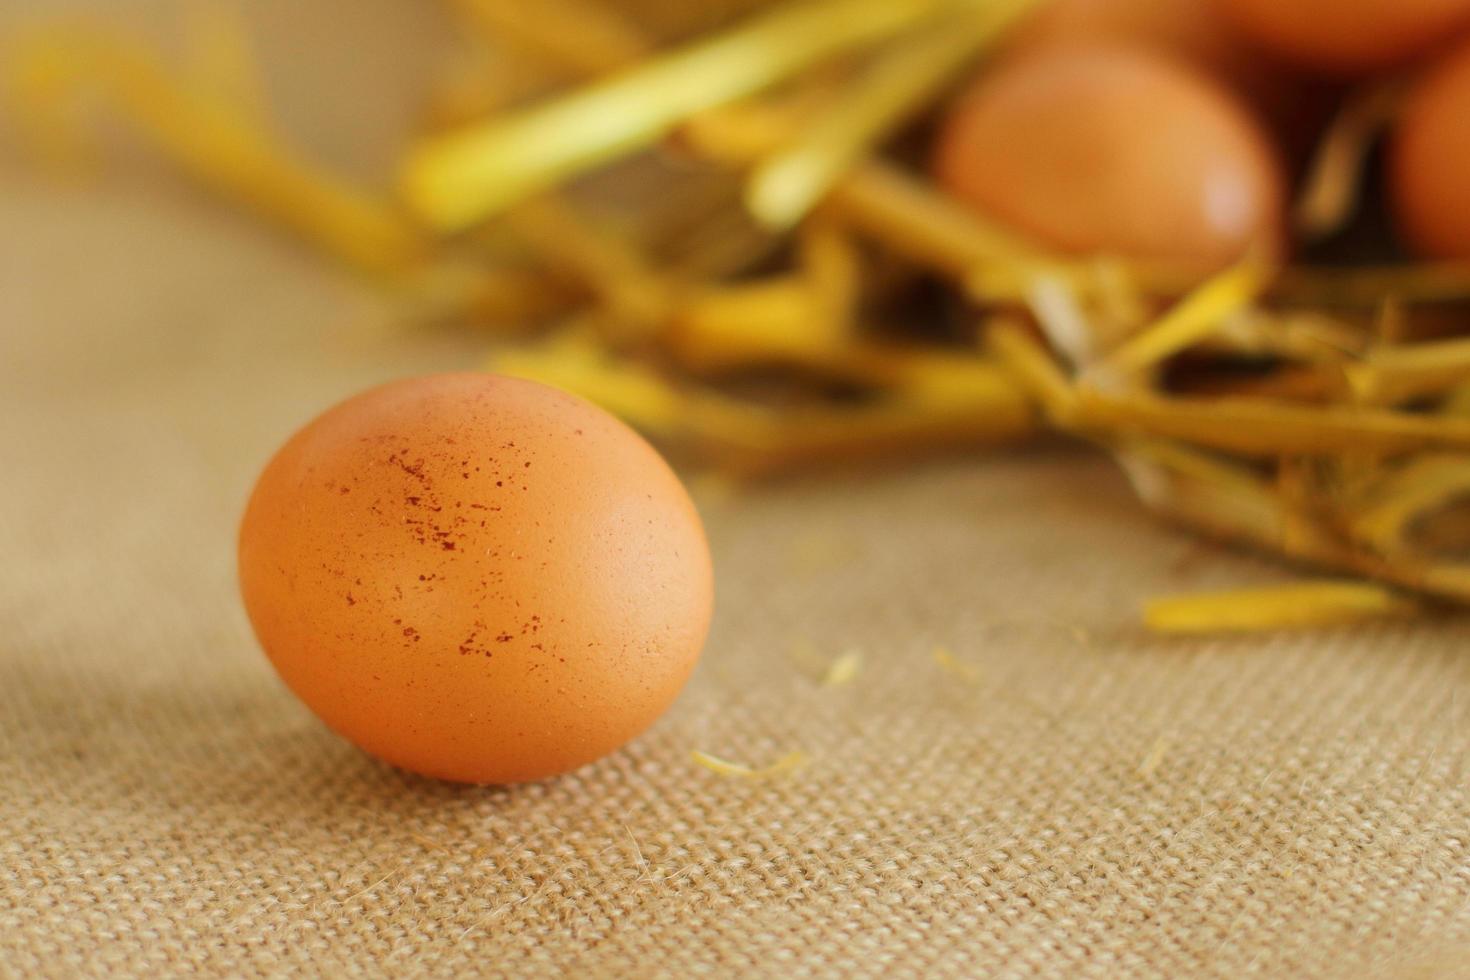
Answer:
(457, 641)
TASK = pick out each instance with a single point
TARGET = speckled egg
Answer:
(475, 577)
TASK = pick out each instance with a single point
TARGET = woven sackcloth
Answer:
(1070, 796)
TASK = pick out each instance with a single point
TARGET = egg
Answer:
(1347, 37)
(1194, 31)
(476, 578)
(1114, 149)
(1197, 33)
(1429, 161)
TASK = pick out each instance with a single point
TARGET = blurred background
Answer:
(1040, 369)
(1218, 240)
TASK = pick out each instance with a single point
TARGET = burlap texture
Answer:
(1079, 799)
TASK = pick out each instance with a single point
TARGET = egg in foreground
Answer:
(475, 577)
(1114, 150)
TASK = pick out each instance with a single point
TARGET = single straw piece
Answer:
(786, 186)
(1366, 286)
(724, 767)
(740, 133)
(1397, 373)
(1192, 319)
(1334, 180)
(1034, 368)
(221, 63)
(1059, 314)
(1119, 300)
(925, 227)
(774, 320)
(1261, 427)
(1298, 604)
(996, 413)
(842, 670)
(457, 179)
(830, 261)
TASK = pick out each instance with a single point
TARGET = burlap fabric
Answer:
(1076, 798)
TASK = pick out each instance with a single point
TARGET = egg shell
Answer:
(1429, 161)
(1349, 37)
(475, 577)
(1118, 150)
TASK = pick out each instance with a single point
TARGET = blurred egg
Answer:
(1198, 33)
(1349, 36)
(475, 577)
(1429, 161)
(1115, 150)
(1191, 30)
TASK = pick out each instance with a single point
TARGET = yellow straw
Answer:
(1194, 318)
(786, 186)
(913, 219)
(1334, 181)
(1275, 607)
(843, 670)
(724, 767)
(1262, 427)
(457, 179)
(230, 151)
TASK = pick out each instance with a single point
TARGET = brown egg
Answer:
(1194, 31)
(1116, 150)
(1429, 161)
(1197, 33)
(1348, 37)
(476, 577)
